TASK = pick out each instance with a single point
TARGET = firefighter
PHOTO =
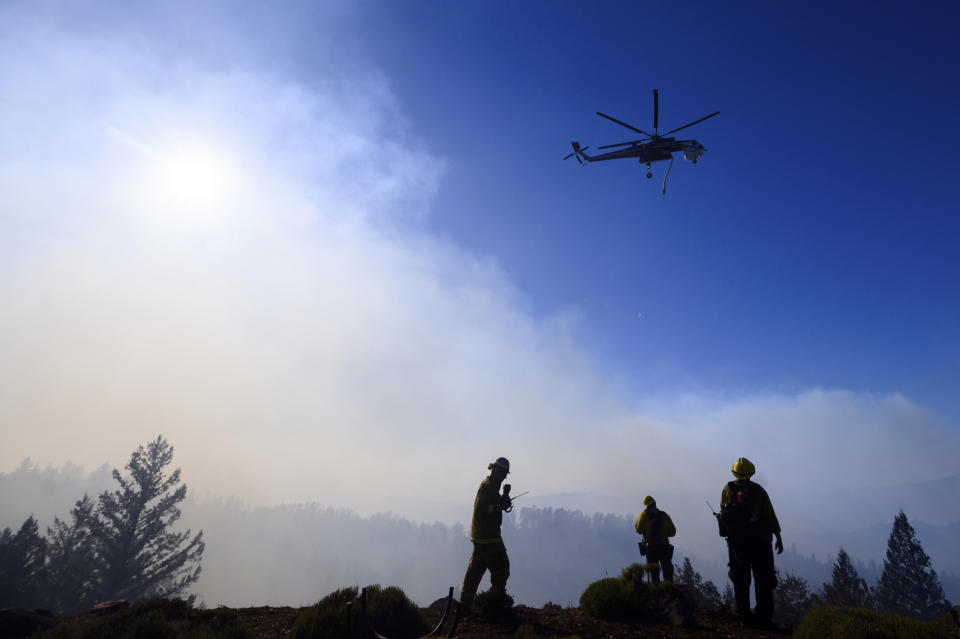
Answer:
(656, 527)
(489, 553)
(748, 519)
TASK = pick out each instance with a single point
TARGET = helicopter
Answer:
(653, 148)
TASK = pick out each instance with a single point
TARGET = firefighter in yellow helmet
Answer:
(749, 523)
(489, 553)
(656, 528)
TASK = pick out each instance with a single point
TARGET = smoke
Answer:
(216, 228)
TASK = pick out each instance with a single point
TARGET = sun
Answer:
(194, 181)
(181, 181)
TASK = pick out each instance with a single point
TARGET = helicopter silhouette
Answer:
(653, 148)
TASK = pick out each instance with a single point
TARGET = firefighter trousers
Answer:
(486, 556)
(662, 556)
(751, 556)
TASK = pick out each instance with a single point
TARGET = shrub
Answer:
(854, 623)
(632, 576)
(628, 598)
(526, 631)
(392, 613)
(608, 599)
(327, 619)
(161, 618)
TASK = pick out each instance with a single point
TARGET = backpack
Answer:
(738, 517)
(654, 525)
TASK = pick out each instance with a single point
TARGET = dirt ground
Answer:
(551, 622)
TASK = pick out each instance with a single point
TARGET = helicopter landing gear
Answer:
(649, 172)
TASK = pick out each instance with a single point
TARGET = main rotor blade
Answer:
(656, 110)
(613, 119)
(692, 123)
(610, 146)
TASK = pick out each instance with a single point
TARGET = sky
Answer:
(331, 250)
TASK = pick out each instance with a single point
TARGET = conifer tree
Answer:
(137, 555)
(21, 566)
(705, 593)
(847, 587)
(908, 585)
(71, 565)
(728, 597)
(792, 599)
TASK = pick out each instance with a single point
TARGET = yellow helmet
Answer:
(743, 468)
(649, 501)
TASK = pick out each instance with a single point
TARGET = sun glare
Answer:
(195, 181)
(184, 185)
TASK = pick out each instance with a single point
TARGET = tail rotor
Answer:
(578, 152)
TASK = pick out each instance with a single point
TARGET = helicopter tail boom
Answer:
(579, 152)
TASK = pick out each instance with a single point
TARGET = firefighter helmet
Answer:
(743, 468)
(501, 463)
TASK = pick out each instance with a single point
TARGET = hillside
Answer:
(551, 621)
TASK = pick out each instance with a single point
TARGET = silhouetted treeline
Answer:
(907, 586)
(119, 547)
(297, 553)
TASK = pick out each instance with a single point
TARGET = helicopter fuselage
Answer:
(658, 151)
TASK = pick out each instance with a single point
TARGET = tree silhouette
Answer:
(847, 587)
(908, 585)
(727, 598)
(21, 565)
(705, 593)
(792, 598)
(71, 574)
(137, 556)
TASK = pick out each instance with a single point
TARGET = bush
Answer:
(161, 618)
(390, 611)
(628, 598)
(327, 619)
(854, 623)
(608, 599)
(632, 576)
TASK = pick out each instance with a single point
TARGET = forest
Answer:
(135, 534)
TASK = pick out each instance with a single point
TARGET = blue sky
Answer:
(318, 241)
(814, 246)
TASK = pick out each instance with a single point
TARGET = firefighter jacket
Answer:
(487, 513)
(761, 518)
(655, 526)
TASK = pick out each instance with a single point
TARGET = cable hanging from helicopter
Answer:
(653, 148)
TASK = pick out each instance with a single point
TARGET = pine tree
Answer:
(847, 587)
(728, 598)
(792, 599)
(908, 585)
(21, 566)
(137, 555)
(705, 593)
(71, 564)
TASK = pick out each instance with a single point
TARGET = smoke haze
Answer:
(226, 240)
